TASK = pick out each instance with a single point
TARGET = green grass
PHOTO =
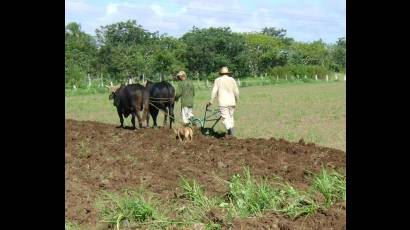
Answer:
(200, 205)
(247, 196)
(130, 207)
(72, 226)
(315, 112)
(331, 185)
(250, 197)
(296, 203)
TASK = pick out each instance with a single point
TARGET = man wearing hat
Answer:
(227, 92)
(185, 91)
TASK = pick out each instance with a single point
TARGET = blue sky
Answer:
(304, 20)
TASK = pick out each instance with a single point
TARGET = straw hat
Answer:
(181, 73)
(224, 70)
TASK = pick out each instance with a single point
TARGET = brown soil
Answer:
(101, 157)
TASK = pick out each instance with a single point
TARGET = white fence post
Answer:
(335, 76)
(74, 87)
(111, 83)
(286, 77)
(206, 83)
(316, 77)
(345, 78)
(129, 80)
(239, 82)
(102, 82)
(305, 76)
(327, 78)
(277, 78)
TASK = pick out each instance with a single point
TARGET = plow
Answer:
(210, 115)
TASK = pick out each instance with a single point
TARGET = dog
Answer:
(184, 133)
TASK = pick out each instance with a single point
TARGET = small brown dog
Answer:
(184, 133)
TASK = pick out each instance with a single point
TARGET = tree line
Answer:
(125, 49)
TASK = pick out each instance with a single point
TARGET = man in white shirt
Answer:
(226, 90)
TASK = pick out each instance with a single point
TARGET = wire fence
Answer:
(98, 84)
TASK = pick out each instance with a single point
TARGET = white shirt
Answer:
(226, 90)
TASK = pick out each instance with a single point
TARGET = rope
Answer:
(163, 111)
(159, 98)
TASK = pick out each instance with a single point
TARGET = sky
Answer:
(304, 20)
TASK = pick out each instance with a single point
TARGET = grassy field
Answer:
(315, 112)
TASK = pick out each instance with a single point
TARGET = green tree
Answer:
(210, 49)
(339, 54)
(126, 49)
(277, 33)
(80, 53)
(124, 33)
(264, 51)
(314, 53)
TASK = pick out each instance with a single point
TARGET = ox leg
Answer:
(171, 117)
(165, 117)
(133, 120)
(139, 119)
(154, 114)
(145, 115)
(121, 119)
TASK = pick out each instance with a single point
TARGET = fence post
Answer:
(297, 75)
(277, 78)
(286, 76)
(335, 76)
(239, 82)
(345, 78)
(305, 76)
(111, 83)
(316, 77)
(143, 77)
(89, 80)
(129, 80)
(75, 87)
(327, 78)
(102, 82)
(206, 83)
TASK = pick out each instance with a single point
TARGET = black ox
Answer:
(159, 96)
(128, 99)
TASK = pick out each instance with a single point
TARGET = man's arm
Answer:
(178, 92)
(236, 91)
(214, 92)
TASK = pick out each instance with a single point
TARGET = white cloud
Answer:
(183, 10)
(76, 6)
(111, 9)
(157, 9)
(302, 19)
